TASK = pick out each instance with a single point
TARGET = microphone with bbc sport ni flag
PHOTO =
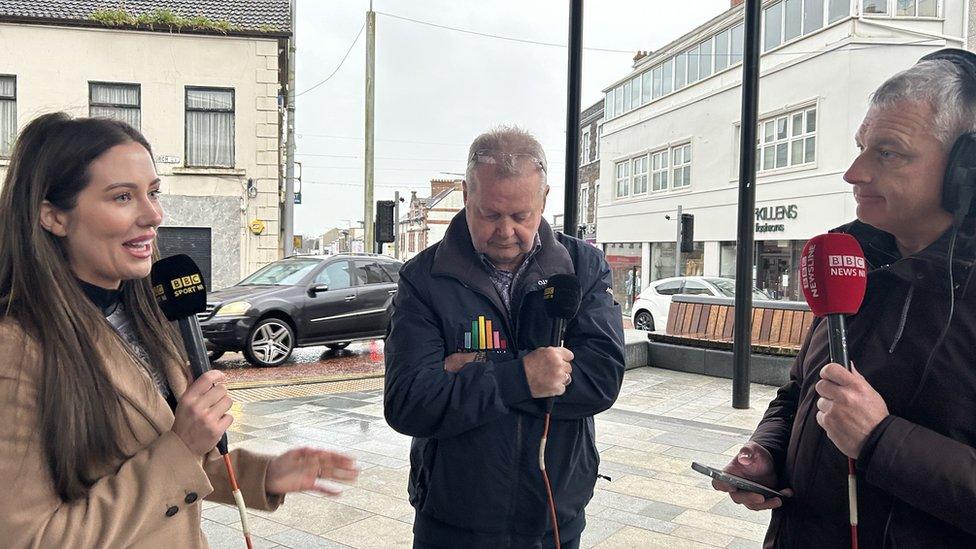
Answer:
(180, 292)
(561, 298)
(833, 276)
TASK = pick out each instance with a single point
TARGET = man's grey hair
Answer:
(506, 139)
(944, 86)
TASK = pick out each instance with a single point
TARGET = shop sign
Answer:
(775, 213)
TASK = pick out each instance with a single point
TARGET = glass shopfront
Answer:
(625, 264)
(775, 264)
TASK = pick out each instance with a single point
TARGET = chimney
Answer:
(640, 55)
(437, 186)
(735, 3)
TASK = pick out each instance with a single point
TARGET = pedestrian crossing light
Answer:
(687, 233)
(385, 222)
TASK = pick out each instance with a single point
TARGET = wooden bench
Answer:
(778, 327)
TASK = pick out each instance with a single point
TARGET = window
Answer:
(917, 8)
(209, 127)
(116, 101)
(627, 96)
(792, 20)
(681, 166)
(623, 179)
(736, 39)
(608, 106)
(669, 288)
(618, 101)
(335, 275)
(8, 114)
(721, 50)
(584, 204)
(635, 92)
(646, 87)
(585, 146)
(596, 143)
(693, 61)
(658, 81)
(666, 77)
(813, 15)
(693, 287)
(659, 170)
(640, 175)
(787, 140)
(876, 7)
(705, 63)
(680, 76)
(369, 272)
(838, 9)
(773, 32)
(392, 270)
(596, 202)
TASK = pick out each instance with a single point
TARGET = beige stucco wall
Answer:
(54, 65)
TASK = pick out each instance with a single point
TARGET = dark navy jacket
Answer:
(474, 473)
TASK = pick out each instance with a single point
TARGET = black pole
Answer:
(742, 341)
(573, 85)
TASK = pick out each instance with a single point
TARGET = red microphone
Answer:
(833, 275)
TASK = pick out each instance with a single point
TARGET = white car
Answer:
(650, 310)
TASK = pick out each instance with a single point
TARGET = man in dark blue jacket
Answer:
(468, 363)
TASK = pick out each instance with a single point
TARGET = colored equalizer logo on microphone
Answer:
(483, 336)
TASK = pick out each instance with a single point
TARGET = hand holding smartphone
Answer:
(738, 482)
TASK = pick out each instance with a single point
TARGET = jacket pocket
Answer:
(423, 452)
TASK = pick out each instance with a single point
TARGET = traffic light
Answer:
(385, 221)
(687, 233)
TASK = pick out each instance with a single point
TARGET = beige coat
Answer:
(151, 499)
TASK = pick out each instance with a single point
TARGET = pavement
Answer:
(662, 421)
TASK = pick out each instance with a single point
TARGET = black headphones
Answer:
(959, 184)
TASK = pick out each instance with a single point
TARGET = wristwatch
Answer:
(480, 356)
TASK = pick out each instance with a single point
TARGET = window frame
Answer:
(643, 159)
(186, 126)
(618, 178)
(585, 148)
(664, 170)
(12, 98)
(137, 106)
(685, 165)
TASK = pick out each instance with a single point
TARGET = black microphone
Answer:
(561, 298)
(178, 286)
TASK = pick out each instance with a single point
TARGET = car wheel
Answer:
(214, 355)
(270, 343)
(644, 321)
(338, 346)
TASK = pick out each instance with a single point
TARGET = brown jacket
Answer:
(151, 499)
(917, 470)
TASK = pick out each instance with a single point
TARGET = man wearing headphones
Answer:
(907, 412)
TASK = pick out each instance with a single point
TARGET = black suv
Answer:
(301, 301)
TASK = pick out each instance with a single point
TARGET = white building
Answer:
(671, 131)
(427, 218)
(203, 80)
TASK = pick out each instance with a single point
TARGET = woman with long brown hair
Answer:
(104, 440)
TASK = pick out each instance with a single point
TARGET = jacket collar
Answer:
(928, 268)
(456, 257)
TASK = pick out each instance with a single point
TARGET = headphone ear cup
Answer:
(960, 172)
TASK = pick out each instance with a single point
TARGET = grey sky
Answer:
(437, 89)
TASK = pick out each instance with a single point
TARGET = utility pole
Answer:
(370, 97)
(288, 212)
(677, 246)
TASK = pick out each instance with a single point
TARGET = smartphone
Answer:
(739, 482)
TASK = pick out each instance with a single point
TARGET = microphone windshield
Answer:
(562, 296)
(833, 274)
(178, 286)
